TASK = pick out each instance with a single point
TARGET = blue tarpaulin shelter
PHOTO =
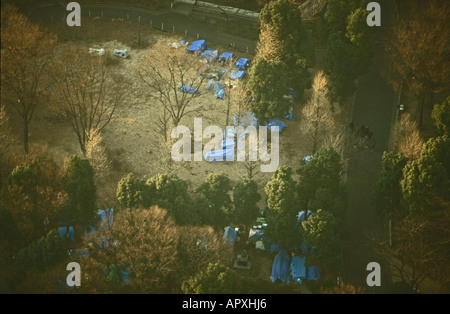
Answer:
(298, 270)
(280, 267)
(313, 273)
(197, 46)
(241, 64)
(256, 234)
(274, 122)
(210, 55)
(237, 75)
(226, 56)
(188, 89)
(67, 233)
(230, 235)
(217, 88)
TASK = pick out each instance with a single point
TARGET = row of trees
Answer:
(35, 73)
(413, 192)
(310, 209)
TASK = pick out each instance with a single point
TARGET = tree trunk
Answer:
(25, 135)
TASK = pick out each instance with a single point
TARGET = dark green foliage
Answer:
(282, 208)
(349, 46)
(81, 190)
(40, 254)
(133, 192)
(387, 194)
(216, 279)
(426, 181)
(245, 199)
(321, 234)
(320, 183)
(171, 193)
(268, 86)
(441, 117)
(214, 202)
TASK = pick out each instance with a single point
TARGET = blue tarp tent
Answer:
(210, 55)
(226, 56)
(220, 155)
(275, 248)
(217, 88)
(230, 236)
(290, 115)
(274, 122)
(313, 273)
(256, 234)
(188, 89)
(67, 233)
(237, 75)
(241, 64)
(307, 159)
(280, 267)
(298, 270)
(197, 46)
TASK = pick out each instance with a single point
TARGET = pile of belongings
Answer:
(121, 53)
(96, 52)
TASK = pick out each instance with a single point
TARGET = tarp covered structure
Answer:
(237, 75)
(298, 269)
(280, 267)
(188, 89)
(67, 233)
(197, 46)
(273, 123)
(210, 55)
(230, 236)
(226, 56)
(256, 234)
(313, 273)
(242, 63)
(217, 88)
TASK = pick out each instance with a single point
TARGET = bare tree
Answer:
(26, 53)
(405, 137)
(86, 92)
(318, 120)
(418, 51)
(173, 78)
(96, 154)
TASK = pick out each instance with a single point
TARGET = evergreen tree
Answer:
(133, 192)
(216, 279)
(245, 199)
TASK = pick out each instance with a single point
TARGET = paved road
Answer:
(374, 107)
(167, 20)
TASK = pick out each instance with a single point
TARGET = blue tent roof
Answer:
(210, 54)
(256, 234)
(298, 269)
(67, 233)
(274, 122)
(188, 89)
(237, 75)
(220, 155)
(313, 273)
(241, 64)
(225, 56)
(280, 267)
(198, 45)
(230, 235)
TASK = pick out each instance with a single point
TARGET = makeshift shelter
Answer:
(307, 159)
(178, 45)
(121, 53)
(237, 75)
(213, 73)
(280, 267)
(188, 89)
(230, 236)
(220, 155)
(298, 270)
(97, 52)
(273, 123)
(256, 234)
(67, 233)
(242, 63)
(209, 55)
(313, 273)
(217, 88)
(226, 56)
(197, 46)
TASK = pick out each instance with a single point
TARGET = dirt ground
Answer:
(130, 138)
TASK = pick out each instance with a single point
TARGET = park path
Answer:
(374, 107)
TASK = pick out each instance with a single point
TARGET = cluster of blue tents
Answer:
(210, 55)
